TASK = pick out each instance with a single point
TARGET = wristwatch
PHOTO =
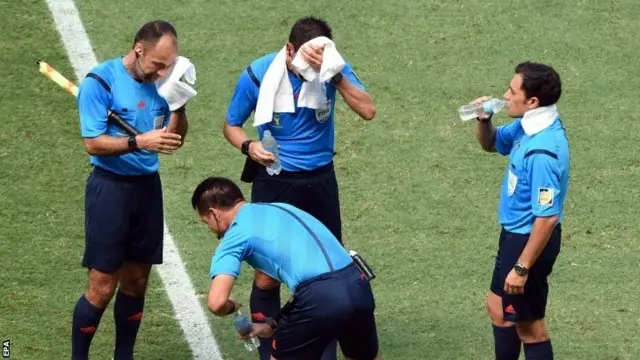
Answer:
(133, 145)
(245, 147)
(273, 324)
(233, 307)
(520, 269)
(335, 79)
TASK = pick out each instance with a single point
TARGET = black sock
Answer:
(263, 304)
(86, 319)
(538, 351)
(507, 343)
(127, 312)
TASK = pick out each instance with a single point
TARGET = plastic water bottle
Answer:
(243, 326)
(472, 111)
(269, 143)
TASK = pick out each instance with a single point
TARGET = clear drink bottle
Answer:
(269, 143)
(243, 326)
(472, 111)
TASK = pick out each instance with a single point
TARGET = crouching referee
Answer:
(332, 298)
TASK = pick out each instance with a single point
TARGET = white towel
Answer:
(276, 92)
(332, 61)
(538, 119)
(173, 89)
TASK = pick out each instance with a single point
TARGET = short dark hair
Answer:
(152, 31)
(216, 192)
(308, 28)
(541, 81)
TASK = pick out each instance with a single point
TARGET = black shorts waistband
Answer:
(302, 174)
(505, 232)
(336, 274)
(110, 175)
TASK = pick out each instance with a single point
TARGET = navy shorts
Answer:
(337, 305)
(124, 220)
(314, 192)
(532, 304)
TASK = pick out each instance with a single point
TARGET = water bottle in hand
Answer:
(269, 144)
(489, 107)
(243, 326)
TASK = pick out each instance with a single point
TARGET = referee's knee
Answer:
(101, 288)
(532, 331)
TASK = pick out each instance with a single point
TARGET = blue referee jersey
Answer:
(109, 86)
(537, 178)
(280, 240)
(306, 137)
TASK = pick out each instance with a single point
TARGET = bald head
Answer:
(156, 49)
(151, 32)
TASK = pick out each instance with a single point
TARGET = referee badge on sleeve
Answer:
(545, 196)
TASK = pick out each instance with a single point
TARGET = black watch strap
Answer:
(245, 147)
(133, 145)
(273, 324)
(233, 307)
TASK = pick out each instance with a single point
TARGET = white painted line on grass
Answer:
(177, 284)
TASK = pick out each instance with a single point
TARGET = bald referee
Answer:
(532, 198)
(124, 220)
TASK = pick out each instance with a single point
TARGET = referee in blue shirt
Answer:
(123, 199)
(331, 299)
(306, 139)
(533, 193)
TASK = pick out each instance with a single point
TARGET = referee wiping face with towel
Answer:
(306, 146)
(531, 210)
(123, 200)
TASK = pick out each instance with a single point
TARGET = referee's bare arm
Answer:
(105, 145)
(359, 101)
(178, 123)
(236, 136)
(540, 235)
(485, 131)
(93, 105)
(160, 141)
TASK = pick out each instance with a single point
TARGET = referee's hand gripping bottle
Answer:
(489, 107)
(269, 144)
(243, 326)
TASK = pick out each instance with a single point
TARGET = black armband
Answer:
(336, 79)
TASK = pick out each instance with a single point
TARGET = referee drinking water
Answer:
(306, 144)
(533, 193)
(124, 219)
(332, 298)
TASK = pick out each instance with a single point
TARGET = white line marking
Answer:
(177, 284)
